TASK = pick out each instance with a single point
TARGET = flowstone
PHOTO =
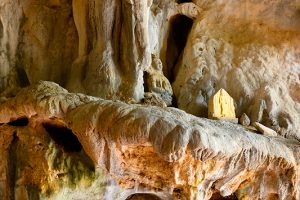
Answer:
(142, 149)
(85, 142)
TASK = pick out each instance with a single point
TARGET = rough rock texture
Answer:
(153, 99)
(251, 49)
(103, 48)
(10, 20)
(244, 120)
(100, 48)
(264, 130)
(193, 158)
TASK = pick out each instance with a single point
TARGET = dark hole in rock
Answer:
(177, 190)
(12, 165)
(180, 28)
(183, 1)
(145, 77)
(1, 29)
(63, 137)
(218, 196)
(143, 196)
(23, 78)
(19, 122)
(33, 192)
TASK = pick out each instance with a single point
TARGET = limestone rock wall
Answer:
(105, 49)
(147, 149)
(251, 49)
(102, 48)
(10, 22)
(95, 47)
(48, 41)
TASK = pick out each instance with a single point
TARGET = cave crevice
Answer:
(143, 196)
(218, 196)
(1, 29)
(12, 164)
(180, 27)
(23, 121)
(183, 1)
(63, 137)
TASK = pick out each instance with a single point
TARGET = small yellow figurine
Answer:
(221, 106)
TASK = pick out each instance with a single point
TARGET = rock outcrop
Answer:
(251, 49)
(193, 158)
(104, 48)
(114, 136)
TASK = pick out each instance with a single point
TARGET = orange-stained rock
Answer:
(138, 149)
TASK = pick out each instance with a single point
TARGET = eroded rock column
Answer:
(117, 50)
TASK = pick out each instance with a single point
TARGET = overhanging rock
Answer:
(165, 149)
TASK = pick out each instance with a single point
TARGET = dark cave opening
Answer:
(218, 196)
(22, 77)
(145, 77)
(12, 164)
(183, 1)
(63, 137)
(23, 121)
(180, 27)
(143, 196)
(1, 29)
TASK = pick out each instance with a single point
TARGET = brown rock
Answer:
(153, 99)
(244, 120)
(103, 48)
(141, 147)
(258, 110)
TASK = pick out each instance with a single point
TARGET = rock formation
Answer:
(249, 48)
(244, 120)
(193, 158)
(101, 127)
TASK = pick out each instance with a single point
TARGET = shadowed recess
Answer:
(217, 196)
(64, 137)
(1, 29)
(179, 30)
(23, 121)
(183, 1)
(22, 77)
(12, 164)
(143, 196)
